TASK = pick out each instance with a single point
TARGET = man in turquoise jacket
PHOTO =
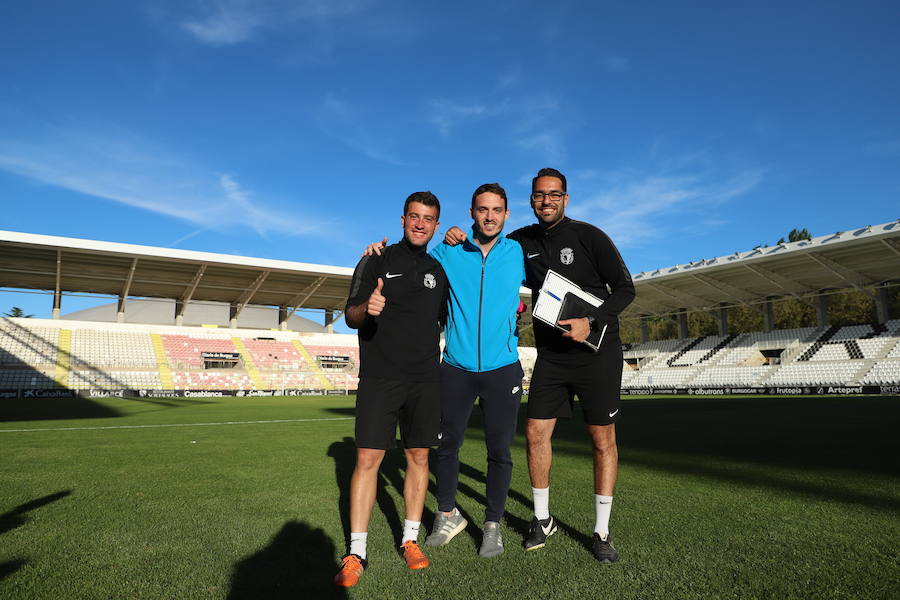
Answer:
(481, 360)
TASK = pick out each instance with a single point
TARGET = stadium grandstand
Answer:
(197, 323)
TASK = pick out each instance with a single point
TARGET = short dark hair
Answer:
(426, 198)
(549, 172)
(495, 188)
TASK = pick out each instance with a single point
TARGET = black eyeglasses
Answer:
(554, 196)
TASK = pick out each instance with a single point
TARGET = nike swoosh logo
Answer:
(392, 275)
(613, 413)
(547, 529)
(533, 255)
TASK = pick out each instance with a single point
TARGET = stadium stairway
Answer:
(683, 351)
(162, 363)
(313, 365)
(867, 365)
(252, 371)
(811, 351)
(728, 339)
(795, 349)
(63, 357)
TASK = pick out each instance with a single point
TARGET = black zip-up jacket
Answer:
(403, 342)
(586, 256)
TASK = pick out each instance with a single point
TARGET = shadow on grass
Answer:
(857, 434)
(391, 473)
(44, 409)
(171, 402)
(694, 435)
(18, 517)
(347, 411)
(11, 566)
(515, 523)
(297, 563)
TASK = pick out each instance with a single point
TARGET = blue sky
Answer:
(294, 130)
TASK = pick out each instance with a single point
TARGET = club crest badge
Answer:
(566, 256)
(430, 281)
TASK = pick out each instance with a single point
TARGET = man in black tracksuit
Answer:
(397, 301)
(565, 367)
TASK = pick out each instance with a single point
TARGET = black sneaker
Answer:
(603, 549)
(539, 531)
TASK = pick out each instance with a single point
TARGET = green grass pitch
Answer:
(189, 498)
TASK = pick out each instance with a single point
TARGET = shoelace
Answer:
(351, 562)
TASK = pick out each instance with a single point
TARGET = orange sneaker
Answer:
(413, 556)
(352, 566)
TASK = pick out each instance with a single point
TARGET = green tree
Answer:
(851, 307)
(702, 324)
(791, 313)
(17, 312)
(630, 331)
(744, 319)
(526, 336)
(662, 328)
(795, 235)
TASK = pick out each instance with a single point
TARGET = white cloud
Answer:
(887, 148)
(536, 123)
(225, 22)
(633, 207)
(509, 78)
(445, 115)
(345, 122)
(617, 64)
(549, 145)
(541, 127)
(129, 170)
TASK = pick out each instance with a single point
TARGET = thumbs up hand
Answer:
(376, 300)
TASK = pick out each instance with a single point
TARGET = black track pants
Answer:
(500, 393)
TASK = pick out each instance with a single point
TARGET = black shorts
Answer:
(597, 383)
(381, 404)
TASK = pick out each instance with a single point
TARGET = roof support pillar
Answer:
(329, 321)
(723, 318)
(283, 318)
(768, 315)
(233, 312)
(682, 323)
(123, 295)
(57, 294)
(822, 310)
(182, 303)
(645, 331)
(882, 304)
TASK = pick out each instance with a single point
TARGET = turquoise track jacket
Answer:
(480, 334)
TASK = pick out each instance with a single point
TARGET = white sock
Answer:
(541, 497)
(358, 543)
(410, 530)
(602, 507)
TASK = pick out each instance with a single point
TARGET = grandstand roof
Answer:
(859, 258)
(32, 261)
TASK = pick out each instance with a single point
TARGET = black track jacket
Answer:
(402, 343)
(586, 256)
